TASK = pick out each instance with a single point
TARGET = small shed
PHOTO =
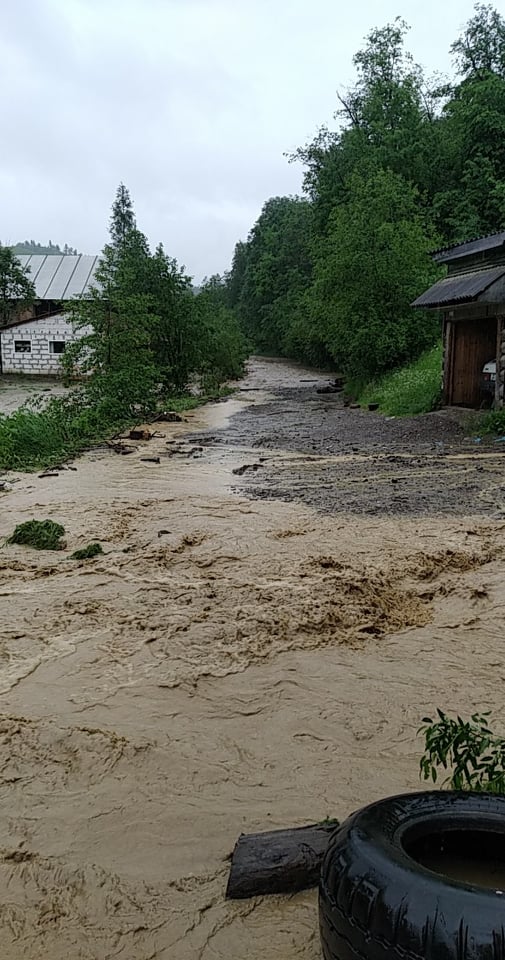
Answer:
(472, 298)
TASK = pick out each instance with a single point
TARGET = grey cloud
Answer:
(191, 102)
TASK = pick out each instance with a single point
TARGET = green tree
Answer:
(115, 319)
(480, 49)
(388, 118)
(144, 333)
(274, 267)
(122, 221)
(374, 262)
(17, 291)
(222, 347)
(471, 200)
(175, 334)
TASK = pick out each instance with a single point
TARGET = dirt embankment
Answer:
(231, 663)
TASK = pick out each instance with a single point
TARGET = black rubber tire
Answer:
(377, 903)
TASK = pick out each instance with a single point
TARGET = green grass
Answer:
(409, 390)
(40, 534)
(43, 434)
(491, 423)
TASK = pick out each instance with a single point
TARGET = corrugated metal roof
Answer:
(476, 245)
(59, 277)
(463, 288)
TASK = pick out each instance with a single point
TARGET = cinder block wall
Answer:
(39, 333)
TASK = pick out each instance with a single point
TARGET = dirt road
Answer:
(234, 662)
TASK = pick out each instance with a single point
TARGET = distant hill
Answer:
(29, 246)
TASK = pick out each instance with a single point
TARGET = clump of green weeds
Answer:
(40, 534)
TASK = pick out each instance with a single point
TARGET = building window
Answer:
(56, 346)
(22, 346)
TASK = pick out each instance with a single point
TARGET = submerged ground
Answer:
(282, 598)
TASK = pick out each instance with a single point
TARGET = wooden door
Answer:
(473, 345)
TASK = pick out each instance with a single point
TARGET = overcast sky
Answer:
(192, 103)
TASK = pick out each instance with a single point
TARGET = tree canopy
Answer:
(144, 333)
(28, 247)
(411, 163)
(17, 292)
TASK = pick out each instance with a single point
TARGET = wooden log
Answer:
(281, 861)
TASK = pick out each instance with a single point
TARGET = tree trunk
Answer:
(281, 861)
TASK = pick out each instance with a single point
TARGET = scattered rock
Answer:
(140, 434)
(51, 473)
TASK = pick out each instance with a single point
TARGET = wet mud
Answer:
(337, 459)
(255, 649)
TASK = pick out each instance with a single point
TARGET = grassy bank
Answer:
(490, 424)
(36, 436)
(409, 390)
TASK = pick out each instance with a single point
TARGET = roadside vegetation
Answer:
(492, 423)
(145, 340)
(412, 163)
(409, 390)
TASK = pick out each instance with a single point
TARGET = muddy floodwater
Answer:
(15, 391)
(282, 598)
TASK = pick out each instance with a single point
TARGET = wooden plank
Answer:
(281, 861)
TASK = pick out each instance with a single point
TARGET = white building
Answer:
(36, 343)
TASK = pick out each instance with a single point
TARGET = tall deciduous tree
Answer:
(17, 291)
(373, 262)
(275, 265)
(480, 49)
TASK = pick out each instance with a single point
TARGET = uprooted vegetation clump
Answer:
(86, 553)
(40, 534)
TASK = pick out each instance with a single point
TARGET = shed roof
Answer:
(478, 245)
(59, 277)
(462, 288)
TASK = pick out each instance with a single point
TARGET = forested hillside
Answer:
(30, 247)
(411, 163)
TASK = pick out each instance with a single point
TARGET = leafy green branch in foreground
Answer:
(469, 751)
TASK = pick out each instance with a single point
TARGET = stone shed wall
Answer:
(500, 364)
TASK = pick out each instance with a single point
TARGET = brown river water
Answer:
(246, 655)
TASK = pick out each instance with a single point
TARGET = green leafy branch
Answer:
(469, 751)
